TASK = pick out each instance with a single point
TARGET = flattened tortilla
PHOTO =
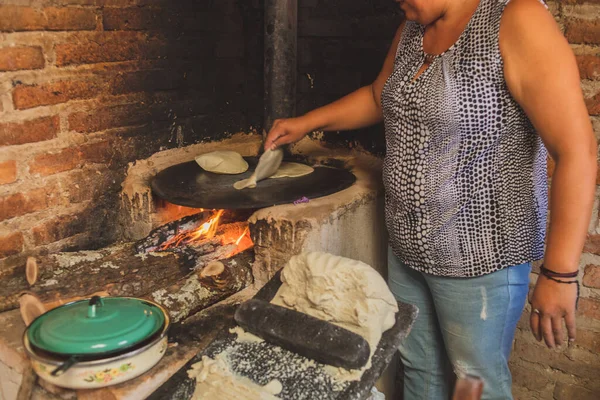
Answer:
(292, 170)
(268, 164)
(222, 162)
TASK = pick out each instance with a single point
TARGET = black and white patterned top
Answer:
(464, 171)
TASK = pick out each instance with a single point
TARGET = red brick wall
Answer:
(87, 86)
(572, 373)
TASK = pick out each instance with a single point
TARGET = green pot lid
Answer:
(96, 326)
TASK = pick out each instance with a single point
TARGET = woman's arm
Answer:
(541, 73)
(358, 109)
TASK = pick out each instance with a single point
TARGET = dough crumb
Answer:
(243, 336)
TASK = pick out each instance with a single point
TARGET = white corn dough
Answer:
(222, 162)
(292, 170)
(214, 380)
(268, 164)
(345, 292)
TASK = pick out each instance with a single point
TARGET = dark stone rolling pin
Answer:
(303, 334)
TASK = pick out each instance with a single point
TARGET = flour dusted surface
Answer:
(214, 380)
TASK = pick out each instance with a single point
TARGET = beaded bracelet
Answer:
(549, 273)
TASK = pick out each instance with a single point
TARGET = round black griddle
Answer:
(189, 185)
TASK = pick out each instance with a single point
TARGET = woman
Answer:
(472, 93)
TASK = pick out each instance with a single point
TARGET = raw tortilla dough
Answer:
(345, 292)
(222, 162)
(292, 170)
(268, 164)
(214, 380)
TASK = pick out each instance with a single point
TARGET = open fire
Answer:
(231, 237)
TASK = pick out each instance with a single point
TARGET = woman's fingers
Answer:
(570, 322)
(546, 328)
(534, 322)
(557, 330)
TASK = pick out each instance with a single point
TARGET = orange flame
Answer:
(205, 231)
(230, 237)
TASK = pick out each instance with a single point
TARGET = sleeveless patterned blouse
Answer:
(464, 171)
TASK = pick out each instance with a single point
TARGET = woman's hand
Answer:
(550, 303)
(285, 131)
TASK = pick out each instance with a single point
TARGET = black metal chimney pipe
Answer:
(281, 33)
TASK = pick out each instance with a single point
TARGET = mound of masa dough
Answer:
(345, 292)
(222, 162)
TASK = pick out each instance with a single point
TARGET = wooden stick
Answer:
(31, 271)
(27, 383)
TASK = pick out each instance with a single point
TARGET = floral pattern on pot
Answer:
(106, 375)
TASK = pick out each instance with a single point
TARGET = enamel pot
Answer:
(97, 342)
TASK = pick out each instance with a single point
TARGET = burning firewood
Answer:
(174, 263)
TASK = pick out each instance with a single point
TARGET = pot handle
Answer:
(95, 301)
(61, 369)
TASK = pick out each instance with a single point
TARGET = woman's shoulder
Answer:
(525, 22)
(526, 14)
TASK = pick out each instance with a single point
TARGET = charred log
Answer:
(204, 288)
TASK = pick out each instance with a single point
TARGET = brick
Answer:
(11, 244)
(89, 184)
(19, 204)
(51, 163)
(529, 377)
(575, 361)
(70, 158)
(593, 104)
(579, 1)
(589, 66)
(137, 18)
(588, 339)
(59, 228)
(592, 244)
(16, 18)
(108, 117)
(28, 96)
(565, 391)
(18, 58)
(109, 47)
(583, 31)
(35, 130)
(591, 276)
(589, 308)
(8, 172)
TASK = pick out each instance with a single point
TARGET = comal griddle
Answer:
(189, 185)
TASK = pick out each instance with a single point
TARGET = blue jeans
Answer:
(465, 326)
